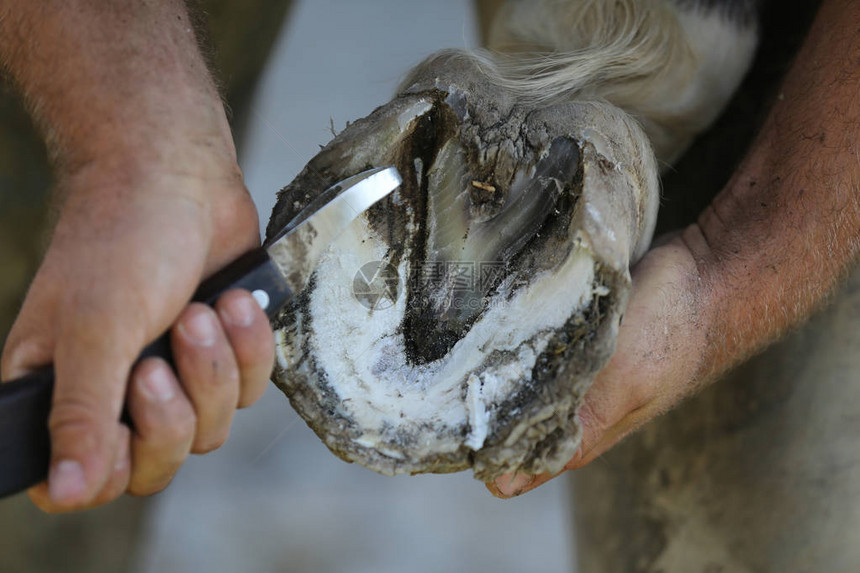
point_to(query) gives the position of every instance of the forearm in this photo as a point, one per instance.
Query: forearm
(778, 239)
(114, 81)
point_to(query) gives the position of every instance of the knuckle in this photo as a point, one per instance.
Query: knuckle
(170, 423)
(231, 375)
(212, 374)
(592, 417)
(178, 428)
(227, 376)
(21, 352)
(72, 415)
(181, 430)
(641, 392)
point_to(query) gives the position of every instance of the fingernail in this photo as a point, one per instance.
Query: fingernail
(240, 310)
(200, 328)
(66, 481)
(514, 484)
(157, 385)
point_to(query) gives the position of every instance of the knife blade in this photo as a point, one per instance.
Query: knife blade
(273, 273)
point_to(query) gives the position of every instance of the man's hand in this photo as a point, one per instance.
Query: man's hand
(127, 253)
(660, 353)
(766, 253)
(151, 202)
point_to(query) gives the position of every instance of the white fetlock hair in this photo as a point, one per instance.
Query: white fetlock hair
(671, 65)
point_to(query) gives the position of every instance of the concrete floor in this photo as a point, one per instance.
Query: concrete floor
(274, 498)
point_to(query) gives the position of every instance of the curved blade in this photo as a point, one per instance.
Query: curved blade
(297, 248)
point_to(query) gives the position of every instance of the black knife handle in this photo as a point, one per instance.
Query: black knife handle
(25, 447)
